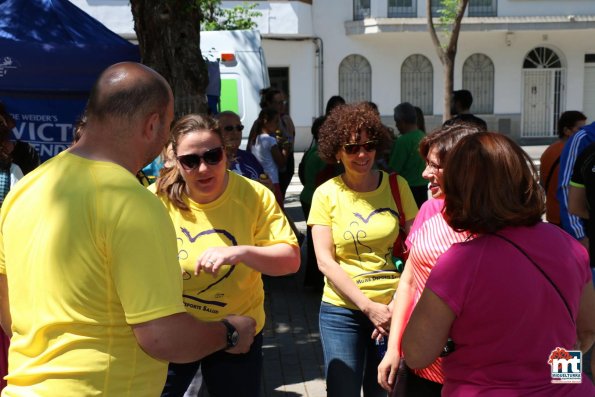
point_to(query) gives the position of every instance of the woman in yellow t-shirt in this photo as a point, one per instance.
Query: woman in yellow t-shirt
(354, 221)
(230, 230)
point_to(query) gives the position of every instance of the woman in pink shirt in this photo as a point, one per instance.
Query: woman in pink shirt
(430, 237)
(515, 296)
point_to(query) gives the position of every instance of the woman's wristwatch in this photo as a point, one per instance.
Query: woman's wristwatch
(233, 335)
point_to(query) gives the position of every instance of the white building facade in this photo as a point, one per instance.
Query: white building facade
(525, 61)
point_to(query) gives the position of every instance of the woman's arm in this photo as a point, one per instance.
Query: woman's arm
(279, 155)
(427, 330)
(273, 260)
(585, 322)
(324, 247)
(402, 307)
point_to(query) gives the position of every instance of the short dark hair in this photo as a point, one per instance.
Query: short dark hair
(568, 120)
(490, 183)
(445, 138)
(267, 96)
(406, 113)
(463, 97)
(345, 121)
(333, 102)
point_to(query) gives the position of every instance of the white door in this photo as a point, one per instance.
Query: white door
(589, 94)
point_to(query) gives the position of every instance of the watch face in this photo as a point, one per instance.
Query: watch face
(235, 336)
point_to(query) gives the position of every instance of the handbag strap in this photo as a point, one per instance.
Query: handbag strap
(541, 271)
(394, 188)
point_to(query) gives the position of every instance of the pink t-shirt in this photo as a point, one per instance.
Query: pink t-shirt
(430, 237)
(509, 318)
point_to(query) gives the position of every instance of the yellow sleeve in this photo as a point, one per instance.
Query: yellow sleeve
(320, 212)
(272, 226)
(407, 201)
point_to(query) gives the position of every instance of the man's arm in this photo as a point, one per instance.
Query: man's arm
(5, 319)
(180, 338)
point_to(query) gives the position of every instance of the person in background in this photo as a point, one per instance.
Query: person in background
(354, 220)
(572, 149)
(477, 292)
(570, 122)
(230, 230)
(313, 172)
(581, 202)
(22, 153)
(264, 146)
(93, 262)
(421, 121)
(242, 162)
(460, 111)
(404, 157)
(284, 132)
(430, 237)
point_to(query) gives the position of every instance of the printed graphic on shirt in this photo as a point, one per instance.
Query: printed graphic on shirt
(199, 294)
(565, 365)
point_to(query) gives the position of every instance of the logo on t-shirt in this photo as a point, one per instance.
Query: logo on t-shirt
(566, 365)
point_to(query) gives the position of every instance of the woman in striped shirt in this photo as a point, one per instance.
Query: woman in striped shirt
(430, 237)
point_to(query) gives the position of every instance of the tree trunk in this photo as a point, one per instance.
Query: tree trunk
(448, 70)
(168, 34)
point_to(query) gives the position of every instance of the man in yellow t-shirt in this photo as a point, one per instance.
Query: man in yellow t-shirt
(88, 259)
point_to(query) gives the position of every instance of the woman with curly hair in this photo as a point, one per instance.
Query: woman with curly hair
(515, 296)
(355, 221)
(230, 230)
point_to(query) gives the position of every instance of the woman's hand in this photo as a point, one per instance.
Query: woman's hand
(379, 315)
(387, 369)
(212, 259)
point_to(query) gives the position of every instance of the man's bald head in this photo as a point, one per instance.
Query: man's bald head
(128, 90)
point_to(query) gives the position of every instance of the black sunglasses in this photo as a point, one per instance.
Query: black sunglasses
(210, 157)
(230, 128)
(353, 148)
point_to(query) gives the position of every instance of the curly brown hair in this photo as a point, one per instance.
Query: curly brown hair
(347, 120)
(499, 186)
(170, 182)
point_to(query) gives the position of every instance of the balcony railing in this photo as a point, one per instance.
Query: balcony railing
(482, 8)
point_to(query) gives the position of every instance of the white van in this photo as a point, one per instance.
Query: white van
(243, 71)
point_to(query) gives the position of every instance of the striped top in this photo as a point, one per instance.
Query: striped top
(429, 238)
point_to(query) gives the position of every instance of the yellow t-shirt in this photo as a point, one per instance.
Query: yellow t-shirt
(87, 251)
(364, 228)
(245, 214)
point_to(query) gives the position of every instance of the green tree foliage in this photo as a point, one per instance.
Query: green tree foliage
(236, 18)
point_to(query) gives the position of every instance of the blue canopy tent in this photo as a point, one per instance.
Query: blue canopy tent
(51, 53)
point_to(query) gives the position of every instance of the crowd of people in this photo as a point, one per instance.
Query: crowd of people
(115, 287)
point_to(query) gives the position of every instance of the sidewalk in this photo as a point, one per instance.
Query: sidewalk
(293, 362)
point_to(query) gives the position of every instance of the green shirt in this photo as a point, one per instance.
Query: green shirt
(406, 160)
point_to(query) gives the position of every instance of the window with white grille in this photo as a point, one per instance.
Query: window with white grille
(402, 8)
(478, 78)
(355, 79)
(361, 9)
(417, 82)
(482, 8)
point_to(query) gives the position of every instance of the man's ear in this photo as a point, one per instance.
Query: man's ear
(152, 126)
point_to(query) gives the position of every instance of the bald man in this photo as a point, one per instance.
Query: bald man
(88, 259)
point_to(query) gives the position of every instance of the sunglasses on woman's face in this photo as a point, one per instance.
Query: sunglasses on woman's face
(210, 157)
(353, 148)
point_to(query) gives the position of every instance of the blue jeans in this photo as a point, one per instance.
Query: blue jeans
(350, 356)
(224, 374)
